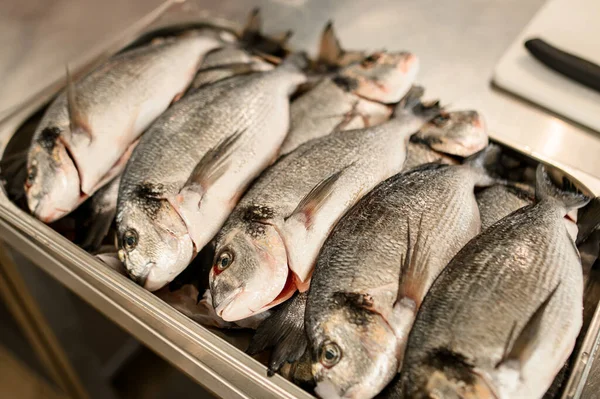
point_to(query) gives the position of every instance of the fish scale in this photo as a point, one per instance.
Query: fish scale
(108, 110)
(499, 280)
(363, 257)
(188, 212)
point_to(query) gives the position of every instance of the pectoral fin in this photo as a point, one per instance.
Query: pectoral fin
(214, 164)
(77, 119)
(315, 199)
(527, 340)
(330, 49)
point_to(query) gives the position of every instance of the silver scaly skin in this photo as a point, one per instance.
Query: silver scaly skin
(271, 240)
(503, 316)
(353, 99)
(192, 166)
(500, 200)
(87, 134)
(376, 266)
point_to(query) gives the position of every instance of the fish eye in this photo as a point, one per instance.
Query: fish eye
(225, 260)
(330, 354)
(31, 174)
(130, 239)
(441, 119)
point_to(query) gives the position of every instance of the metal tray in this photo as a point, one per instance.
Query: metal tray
(206, 357)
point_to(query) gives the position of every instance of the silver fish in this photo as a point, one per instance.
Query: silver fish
(226, 62)
(447, 134)
(353, 99)
(376, 267)
(192, 166)
(418, 154)
(500, 200)
(267, 248)
(89, 131)
(503, 316)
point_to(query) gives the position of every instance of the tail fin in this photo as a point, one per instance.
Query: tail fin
(588, 220)
(483, 162)
(412, 103)
(546, 189)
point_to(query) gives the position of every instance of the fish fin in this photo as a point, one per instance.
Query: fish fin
(254, 23)
(413, 271)
(546, 189)
(527, 340)
(77, 120)
(213, 164)
(283, 37)
(412, 103)
(588, 220)
(483, 162)
(330, 50)
(284, 332)
(316, 198)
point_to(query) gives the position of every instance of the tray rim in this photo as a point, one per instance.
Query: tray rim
(127, 304)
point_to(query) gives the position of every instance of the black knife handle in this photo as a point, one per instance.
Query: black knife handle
(583, 71)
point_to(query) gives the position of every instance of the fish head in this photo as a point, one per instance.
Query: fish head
(383, 77)
(52, 186)
(461, 133)
(354, 353)
(250, 271)
(153, 241)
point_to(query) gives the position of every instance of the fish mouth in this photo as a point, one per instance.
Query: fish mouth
(226, 303)
(142, 278)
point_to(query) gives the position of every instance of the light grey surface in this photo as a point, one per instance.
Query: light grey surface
(458, 43)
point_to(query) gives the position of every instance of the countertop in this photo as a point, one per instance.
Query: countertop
(458, 42)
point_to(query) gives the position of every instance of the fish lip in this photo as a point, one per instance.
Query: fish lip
(227, 301)
(142, 278)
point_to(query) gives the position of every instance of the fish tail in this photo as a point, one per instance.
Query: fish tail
(483, 163)
(412, 103)
(546, 189)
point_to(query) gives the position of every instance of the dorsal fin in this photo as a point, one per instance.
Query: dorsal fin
(254, 23)
(330, 50)
(77, 120)
(213, 164)
(527, 340)
(314, 200)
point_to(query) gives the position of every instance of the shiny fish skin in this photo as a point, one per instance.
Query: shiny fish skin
(360, 304)
(275, 332)
(168, 219)
(272, 247)
(226, 62)
(493, 286)
(335, 103)
(418, 154)
(499, 200)
(115, 104)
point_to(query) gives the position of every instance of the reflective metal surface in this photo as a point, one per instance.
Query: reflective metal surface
(458, 45)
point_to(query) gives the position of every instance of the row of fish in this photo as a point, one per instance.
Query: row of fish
(332, 191)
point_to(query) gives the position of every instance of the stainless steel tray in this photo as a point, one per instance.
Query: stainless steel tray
(207, 357)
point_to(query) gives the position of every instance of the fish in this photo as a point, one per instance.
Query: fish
(500, 200)
(502, 318)
(102, 210)
(192, 166)
(354, 98)
(226, 62)
(89, 131)
(377, 265)
(418, 154)
(273, 333)
(448, 134)
(267, 247)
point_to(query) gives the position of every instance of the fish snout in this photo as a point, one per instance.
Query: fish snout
(408, 63)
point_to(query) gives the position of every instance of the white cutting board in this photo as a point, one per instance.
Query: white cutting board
(570, 25)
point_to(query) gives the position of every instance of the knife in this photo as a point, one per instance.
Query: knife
(576, 68)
